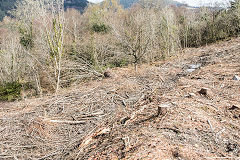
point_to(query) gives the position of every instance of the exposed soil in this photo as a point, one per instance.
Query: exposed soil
(187, 107)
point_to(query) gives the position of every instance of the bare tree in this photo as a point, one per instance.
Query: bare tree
(132, 33)
(55, 38)
(46, 18)
(55, 42)
(12, 58)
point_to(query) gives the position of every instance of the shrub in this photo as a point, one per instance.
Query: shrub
(10, 91)
(99, 28)
(26, 37)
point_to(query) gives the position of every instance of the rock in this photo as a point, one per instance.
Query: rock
(190, 95)
(233, 107)
(165, 105)
(195, 66)
(107, 74)
(203, 91)
(236, 78)
(190, 70)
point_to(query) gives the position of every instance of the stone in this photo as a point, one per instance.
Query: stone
(190, 70)
(236, 78)
(195, 66)
(191, 95)
(233, 107)
(203, 91)
(107, 74)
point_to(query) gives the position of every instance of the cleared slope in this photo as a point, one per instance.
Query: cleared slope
(157, 113)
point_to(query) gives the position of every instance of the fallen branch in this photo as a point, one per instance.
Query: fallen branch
(63, 121)
(210, 125)
(219, 157)
(67, 122)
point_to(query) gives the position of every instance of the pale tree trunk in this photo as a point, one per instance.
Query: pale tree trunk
(56, 41)
(60, 50)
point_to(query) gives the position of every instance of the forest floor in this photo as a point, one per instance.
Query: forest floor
(187, 107)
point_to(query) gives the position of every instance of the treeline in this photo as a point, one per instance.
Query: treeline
(207, 25)
(45, 48)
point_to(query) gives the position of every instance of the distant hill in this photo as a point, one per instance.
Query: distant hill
(6, 5)
(77, 4)
(129, 3)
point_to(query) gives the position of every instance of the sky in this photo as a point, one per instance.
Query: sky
(189, 2)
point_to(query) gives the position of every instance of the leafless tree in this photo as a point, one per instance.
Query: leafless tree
(132, 33)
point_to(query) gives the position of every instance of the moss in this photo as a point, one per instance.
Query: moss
(10, 91)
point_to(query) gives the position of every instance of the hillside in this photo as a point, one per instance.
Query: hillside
(129, 3)
(186, 107)
(76, 4)
(7, 5)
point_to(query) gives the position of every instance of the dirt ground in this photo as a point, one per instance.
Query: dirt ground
(187, 107)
